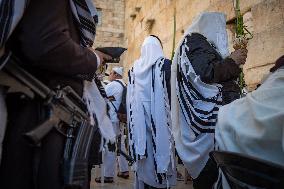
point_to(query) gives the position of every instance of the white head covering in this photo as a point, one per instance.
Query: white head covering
(151, 51)
(118, 70)
(212, 25)
(194, 136)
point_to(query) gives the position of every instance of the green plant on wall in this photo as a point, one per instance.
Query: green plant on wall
(174, 36)
(242, 36)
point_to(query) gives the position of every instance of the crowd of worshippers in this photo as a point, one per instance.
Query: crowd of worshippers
(189, 106)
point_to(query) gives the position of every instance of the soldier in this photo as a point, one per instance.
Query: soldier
(114, 90)
(53, 40)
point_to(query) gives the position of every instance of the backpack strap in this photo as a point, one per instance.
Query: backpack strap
(116, 110)
(120, 83)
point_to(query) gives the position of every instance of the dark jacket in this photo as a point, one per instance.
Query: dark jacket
(47, 41)
(212, 68)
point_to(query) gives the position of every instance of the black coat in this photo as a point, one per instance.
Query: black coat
(212, 68)
(47, 40)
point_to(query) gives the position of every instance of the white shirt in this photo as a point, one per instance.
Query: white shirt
(114, 89)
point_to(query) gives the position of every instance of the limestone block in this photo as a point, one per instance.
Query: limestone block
(224, 6)
(254, 76)
(265, 47)
(268, 14)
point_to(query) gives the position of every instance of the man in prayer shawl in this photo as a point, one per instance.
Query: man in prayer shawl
(254, 125)
(203, 78)
(114, 91)
(54, 44)
(149, 123)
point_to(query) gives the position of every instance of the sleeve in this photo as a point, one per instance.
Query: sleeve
(207, 63)
(49, 40)
(76, 59)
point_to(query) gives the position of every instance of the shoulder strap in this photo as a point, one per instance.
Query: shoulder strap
(120, 83)
(115, 109)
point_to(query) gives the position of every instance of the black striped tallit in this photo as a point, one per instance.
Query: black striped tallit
(85, 21)
(87, 27)
(199, 120)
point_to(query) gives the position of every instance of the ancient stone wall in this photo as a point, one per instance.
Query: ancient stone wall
(110, 30)
(265, 18)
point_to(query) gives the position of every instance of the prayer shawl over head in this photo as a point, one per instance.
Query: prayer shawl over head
(85, 16)
(147, 98)
(195, 104)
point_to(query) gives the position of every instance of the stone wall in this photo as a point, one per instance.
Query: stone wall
(264, 17)
(110, 30)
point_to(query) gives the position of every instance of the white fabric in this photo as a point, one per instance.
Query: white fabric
(96, 104)
(194, 151)
(254, 125)
(118, 70)
(98, 60)
(114, 89)
(146, 169)
(3, 120)
(138, 94)
(110, 161)
(212, 25)
(138, 184)
(122, 162)
(147, 100)
(92, 7)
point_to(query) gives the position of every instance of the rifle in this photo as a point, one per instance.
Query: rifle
(65, 108)
(124, 154)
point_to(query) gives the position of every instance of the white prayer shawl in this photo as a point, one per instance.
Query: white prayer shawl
(97, 108)
(147, 95)
(254, 125)
(195, 104)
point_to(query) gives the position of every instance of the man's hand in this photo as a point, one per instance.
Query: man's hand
(239, 56)
(103, 57)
